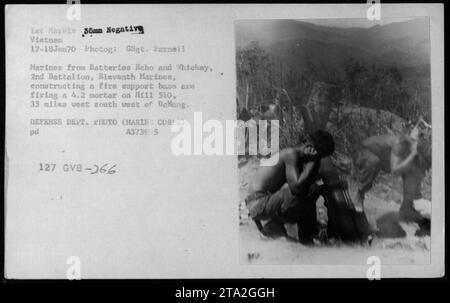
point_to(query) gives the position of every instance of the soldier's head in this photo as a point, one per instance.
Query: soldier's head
(322, 141)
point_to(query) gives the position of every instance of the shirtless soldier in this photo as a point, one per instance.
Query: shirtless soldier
(344, 221)
(286, 192)
(397, 154)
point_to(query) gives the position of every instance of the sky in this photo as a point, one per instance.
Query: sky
(357, 22)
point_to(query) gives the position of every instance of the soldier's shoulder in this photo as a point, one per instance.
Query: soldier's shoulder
(379, 139)
(288, 152)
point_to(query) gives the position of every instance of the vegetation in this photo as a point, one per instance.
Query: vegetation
(374, 98)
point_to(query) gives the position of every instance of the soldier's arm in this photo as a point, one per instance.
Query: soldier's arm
(298, 179)
(398, 166)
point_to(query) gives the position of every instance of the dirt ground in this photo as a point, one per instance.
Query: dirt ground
(383, 198)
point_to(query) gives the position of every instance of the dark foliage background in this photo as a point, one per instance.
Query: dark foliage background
(383, 73)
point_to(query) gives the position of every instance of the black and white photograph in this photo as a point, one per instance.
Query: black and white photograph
(224, 141)
(352, 176)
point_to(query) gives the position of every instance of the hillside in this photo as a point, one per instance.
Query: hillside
(383, 67)
(381, 81)
(404, 43)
